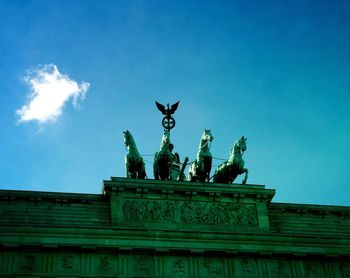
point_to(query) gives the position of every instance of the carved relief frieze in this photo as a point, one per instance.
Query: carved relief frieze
(217, 213)
(213, 267)
(344, 270)
(141, 211)
(247, 268)
(15, 264)
(105, 265)
(66, 263)
(313, 270)
(280, 269)
(29, 263)
(143, 266)
(178, 268)
(203, 213)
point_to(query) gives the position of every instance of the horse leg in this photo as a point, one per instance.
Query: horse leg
(141, 173)
(190, 173)
(155, 168)
(217, 178)
(132, 168)
(221, 174)
(155, 171)
(207, 178)
(127, 174)
(245, 170)
(208, 169)
(189, 176)
(200, 169)
(127, 165)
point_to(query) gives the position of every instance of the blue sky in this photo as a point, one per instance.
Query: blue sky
(276, 72)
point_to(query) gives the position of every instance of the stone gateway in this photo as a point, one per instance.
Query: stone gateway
(155, 228)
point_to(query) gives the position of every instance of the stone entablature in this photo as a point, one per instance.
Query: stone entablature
(148, 228)
(29, 208)
(313, 220)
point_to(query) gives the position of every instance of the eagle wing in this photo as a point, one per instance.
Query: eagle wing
(161, 107)
(174, 107)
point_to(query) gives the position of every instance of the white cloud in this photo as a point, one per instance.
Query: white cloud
(49, 91)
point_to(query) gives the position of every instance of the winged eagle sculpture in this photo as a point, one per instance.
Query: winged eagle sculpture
(168, 121)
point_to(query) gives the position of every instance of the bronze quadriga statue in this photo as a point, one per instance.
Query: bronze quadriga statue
(134, 165)
(228, 171)
(200, 168)
(167, 166)
(162, 158)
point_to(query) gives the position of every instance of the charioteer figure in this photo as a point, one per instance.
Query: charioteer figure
(167, 165)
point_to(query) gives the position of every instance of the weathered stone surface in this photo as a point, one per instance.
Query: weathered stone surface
(186, 212)
(93, 264)
(147, 228)
(187, 205)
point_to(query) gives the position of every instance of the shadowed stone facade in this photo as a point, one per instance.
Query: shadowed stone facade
(148, 228)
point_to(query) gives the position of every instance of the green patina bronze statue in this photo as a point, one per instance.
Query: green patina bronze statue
(166, 165)
(228, 171)
(163, 158)
(168, 121)
(176, 170)
(200, 168)
(134, 165)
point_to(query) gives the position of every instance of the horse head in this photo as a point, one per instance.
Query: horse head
(237, 149)
(128, 139)
(242, 143)
(204, 142)
(207, 136)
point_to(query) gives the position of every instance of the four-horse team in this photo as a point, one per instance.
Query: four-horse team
(167, 166)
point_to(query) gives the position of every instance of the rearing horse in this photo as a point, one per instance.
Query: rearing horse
(163, 158)
(134, 165)
(228, 171)
(200, 168)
